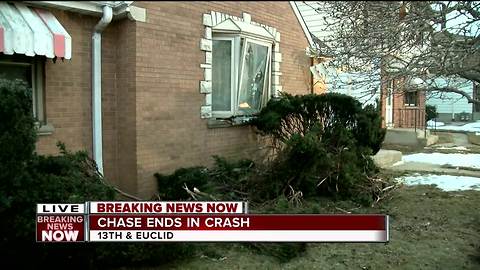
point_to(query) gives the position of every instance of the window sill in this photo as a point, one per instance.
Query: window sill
(229, 122)
(44, 129)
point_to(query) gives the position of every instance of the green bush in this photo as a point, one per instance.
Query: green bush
(430, 112)
(27, 179)
(68, 178)
(326, 142)
(368, 130)
(329, 115)
(17, 135)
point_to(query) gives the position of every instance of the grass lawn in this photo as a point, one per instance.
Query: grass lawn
(430, 229)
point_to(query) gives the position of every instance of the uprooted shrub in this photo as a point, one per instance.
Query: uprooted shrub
(324, 145)
(226, 180)
(173, 186)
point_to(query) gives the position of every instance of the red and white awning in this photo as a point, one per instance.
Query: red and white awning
(32, 31)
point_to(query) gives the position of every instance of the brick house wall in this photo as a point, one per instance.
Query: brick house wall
(170, 133)
(68, 96)
(150, 90)
(403, 116)
(68, 89)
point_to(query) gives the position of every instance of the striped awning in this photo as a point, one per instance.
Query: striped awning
(32, 31)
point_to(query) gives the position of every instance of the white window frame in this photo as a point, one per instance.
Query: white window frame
(37, 69)
(235, 42)
(238, 52)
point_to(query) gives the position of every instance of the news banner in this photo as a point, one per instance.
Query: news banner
(206, 221)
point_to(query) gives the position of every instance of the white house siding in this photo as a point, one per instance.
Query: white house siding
(451, 104)
(312, 18)
(363, 93)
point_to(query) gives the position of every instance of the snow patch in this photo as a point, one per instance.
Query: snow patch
(463, 160)
(431, 123)
(444, 182)
(470, 127)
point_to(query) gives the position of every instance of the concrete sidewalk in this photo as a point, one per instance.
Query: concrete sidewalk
(409, 137)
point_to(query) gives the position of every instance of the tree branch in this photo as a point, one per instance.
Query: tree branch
(454, 90)
(449, 51)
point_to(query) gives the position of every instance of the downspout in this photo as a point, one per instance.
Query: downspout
(97, 86)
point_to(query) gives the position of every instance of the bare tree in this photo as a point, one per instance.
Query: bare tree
(432, 45)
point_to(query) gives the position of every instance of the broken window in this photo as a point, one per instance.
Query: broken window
(253, 77)
(240, 75)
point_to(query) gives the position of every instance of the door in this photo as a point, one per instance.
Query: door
(389, 105)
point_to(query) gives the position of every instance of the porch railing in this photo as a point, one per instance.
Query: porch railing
(409, 118)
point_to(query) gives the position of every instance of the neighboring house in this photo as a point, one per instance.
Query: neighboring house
(452, 107)
(400, 109)
(151, 87)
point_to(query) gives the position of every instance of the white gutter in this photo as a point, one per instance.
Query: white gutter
(97, 86)
(121, 9)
